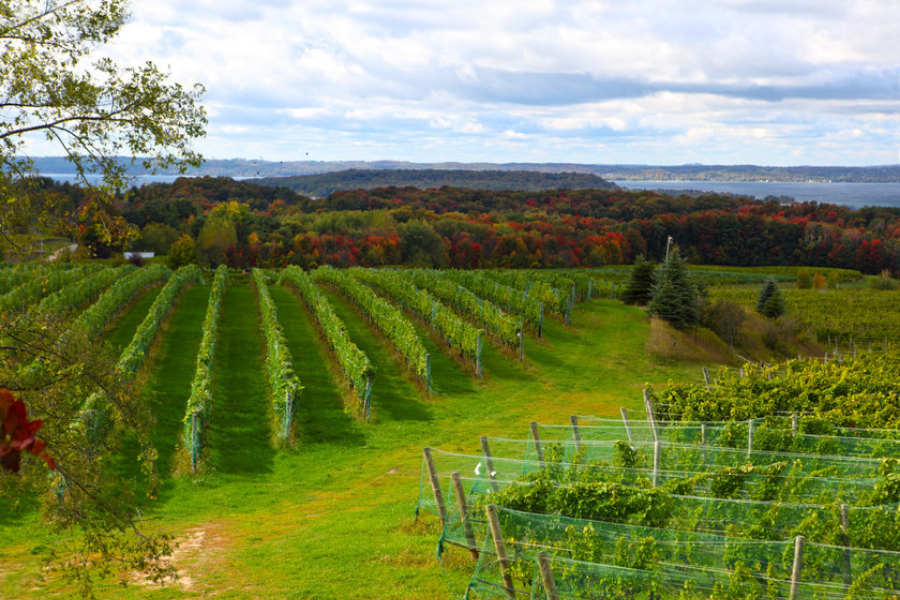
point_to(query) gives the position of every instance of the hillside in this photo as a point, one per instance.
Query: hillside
(243, 168)
(326, 184)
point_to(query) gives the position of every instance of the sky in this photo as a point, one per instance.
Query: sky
(770, 82)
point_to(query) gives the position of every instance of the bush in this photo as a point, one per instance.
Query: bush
(804, 279)
(725, 318)
(882, 282)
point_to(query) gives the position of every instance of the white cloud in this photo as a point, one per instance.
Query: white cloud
(504, 81)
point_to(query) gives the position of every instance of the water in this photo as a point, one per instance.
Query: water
(855, 195)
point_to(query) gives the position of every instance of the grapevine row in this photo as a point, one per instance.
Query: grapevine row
(556, 292)
(515, 301)
(386, 317)
(200, 402)
(505, 326)
(101, 312)
(456, 331)
(46, 282)
(355, 364)
(283, 380)
(85, 290)
(135, 352)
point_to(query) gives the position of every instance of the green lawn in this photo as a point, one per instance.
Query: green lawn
(333, 517)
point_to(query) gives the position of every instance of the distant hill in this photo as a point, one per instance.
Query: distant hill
(521, 181)
(241, 168)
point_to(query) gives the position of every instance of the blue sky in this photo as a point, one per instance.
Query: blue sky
(775, 82)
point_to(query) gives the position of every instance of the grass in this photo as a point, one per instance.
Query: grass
(333, 517)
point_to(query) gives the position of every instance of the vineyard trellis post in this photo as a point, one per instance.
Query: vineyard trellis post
(576, 432)
(845, 540)
(651, 414)
(537, 443)
(703, 440)
(749, 437)
(797, 568)
(706, 377)
(656, 460)
(489, 463)
(500, 549)
(543, 560)
(478, 356)
(464, 513)
(624, 412)
(435, 484)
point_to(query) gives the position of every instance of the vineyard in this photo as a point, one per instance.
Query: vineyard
(291, 407)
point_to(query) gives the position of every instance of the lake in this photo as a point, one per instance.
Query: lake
(855, 195)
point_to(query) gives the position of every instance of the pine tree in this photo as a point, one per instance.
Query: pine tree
(770, 303)
(640, 286)
(674, 293)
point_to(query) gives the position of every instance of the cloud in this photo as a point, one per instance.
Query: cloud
(494, 80)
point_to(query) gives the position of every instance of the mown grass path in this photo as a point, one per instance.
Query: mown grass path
(333, 518)
(238, 437)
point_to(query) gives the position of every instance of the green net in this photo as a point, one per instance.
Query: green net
(593, 559)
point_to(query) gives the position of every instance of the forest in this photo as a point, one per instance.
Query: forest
(243, 224)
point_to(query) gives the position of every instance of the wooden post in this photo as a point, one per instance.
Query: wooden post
(742, 372)
(194, 437)
(656, 459)
(537, 444)
(624, 412)
(703, 440)
(651, 415)
(547, 576)
(435, 484)
(845, 538)
(798, 566)
(522, 341)
(464, 514)
(489, 462)
(794, 424)
(500, 548)
(749, 437)
(478, 356)
(576, 432)
(706, 376)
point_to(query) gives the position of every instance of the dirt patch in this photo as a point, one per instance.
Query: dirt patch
(193, 552)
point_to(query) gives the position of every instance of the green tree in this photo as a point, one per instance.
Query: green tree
(675, 293)
(640, 286)
(53, 86)
(770, 303)
(157, 238)
(216, 237)
(182, 252)
(804, 279)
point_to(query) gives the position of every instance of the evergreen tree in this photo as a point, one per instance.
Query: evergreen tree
(674, 293)
(770, 303)
(640, 286)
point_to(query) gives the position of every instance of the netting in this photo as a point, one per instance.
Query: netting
(770, 433)
(592, 559)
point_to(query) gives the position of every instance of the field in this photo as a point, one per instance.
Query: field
(331, 512)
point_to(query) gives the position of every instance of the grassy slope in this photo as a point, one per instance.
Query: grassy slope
(334, 517)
